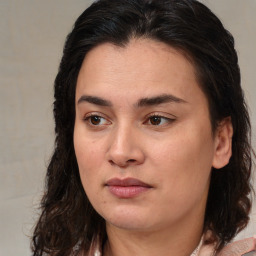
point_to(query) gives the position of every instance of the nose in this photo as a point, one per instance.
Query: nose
(125, 148)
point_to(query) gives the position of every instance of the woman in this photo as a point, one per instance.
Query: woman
(153, 153)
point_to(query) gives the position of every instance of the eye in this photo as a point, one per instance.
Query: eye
(96, 120)
(158, 120)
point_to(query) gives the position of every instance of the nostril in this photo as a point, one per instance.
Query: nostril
(111, 162)
(123, 164)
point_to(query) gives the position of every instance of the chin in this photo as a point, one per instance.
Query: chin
(129, 224)
(129, 219)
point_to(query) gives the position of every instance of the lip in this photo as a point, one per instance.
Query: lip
(127, 188)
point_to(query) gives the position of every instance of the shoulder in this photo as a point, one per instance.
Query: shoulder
(245, 247)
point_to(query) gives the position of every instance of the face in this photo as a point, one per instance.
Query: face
(143, 137)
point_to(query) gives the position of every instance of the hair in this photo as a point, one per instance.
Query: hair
(67, 218)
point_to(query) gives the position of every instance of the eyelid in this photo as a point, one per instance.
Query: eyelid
(161, 114)
(94, 114)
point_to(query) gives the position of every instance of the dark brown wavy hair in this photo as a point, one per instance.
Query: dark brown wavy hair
(67, 219)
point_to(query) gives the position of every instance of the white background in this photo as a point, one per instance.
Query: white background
(32, 34)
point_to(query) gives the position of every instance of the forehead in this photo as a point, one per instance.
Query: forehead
(143, 66)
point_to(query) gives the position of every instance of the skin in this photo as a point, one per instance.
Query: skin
(116, 137)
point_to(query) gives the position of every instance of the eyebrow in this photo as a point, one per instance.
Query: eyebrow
(95, 100)
(160, 99)
(148, 101)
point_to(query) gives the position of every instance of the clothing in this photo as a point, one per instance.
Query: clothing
(245, 247)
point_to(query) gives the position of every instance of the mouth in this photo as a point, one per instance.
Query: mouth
(127, 188)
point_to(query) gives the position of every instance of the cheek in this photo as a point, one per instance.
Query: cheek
(185, 159)
(89, 157)
(89, 163)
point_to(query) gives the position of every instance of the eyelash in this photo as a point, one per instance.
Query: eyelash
(168, 120)
(88, 119)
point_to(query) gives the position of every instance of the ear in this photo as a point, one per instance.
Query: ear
(223, 143)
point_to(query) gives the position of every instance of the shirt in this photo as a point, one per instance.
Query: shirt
(245, 247)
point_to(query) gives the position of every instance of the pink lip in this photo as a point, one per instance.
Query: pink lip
(127, 188)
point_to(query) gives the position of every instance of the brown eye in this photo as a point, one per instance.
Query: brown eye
(155, 120)
(95, 120)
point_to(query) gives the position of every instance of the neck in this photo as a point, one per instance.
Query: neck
(166, 241)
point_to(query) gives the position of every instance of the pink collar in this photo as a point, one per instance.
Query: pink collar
(239, 248)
